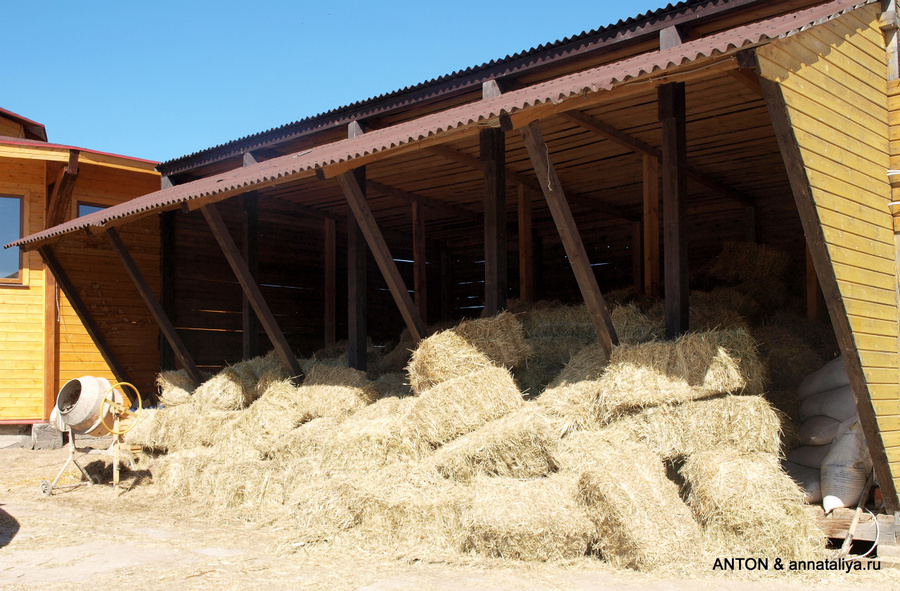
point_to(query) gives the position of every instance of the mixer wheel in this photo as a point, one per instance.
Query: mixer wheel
(46, 488)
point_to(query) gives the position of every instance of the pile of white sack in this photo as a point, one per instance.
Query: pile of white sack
(832, 462)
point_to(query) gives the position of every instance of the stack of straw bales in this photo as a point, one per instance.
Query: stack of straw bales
(451, 458)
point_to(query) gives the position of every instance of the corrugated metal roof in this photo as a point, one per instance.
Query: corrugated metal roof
(461, 79)
(303, 164)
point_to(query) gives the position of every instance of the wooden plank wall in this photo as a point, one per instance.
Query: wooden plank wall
(78, 356)
(11, 128)
(833, 79)
(21, 307)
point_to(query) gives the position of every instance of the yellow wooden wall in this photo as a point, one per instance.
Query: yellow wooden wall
(22, 333)
(833, 78)
(103, 186)
(21, 307)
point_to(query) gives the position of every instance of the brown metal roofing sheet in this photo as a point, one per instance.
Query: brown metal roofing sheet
(303, 164)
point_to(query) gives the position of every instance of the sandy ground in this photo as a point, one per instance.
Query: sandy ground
(86, 538)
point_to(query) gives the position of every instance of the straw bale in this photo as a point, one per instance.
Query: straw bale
(238, 385)
(748, 261)
(405, 512)
(307, 440)
(179, 472)
(461, 405)
(787, 402)
(441, 357)
(709, 312)
(374, 437)
(696, 365)
(633, 326)
(175, 387)
(398, 357)
(787, 356)
(818, 335)
(519, 445)
(332, 391)
(550, 355)
(500, 338)
(770, 293)
(527, 519)
(246, 488)
(570, 399)
(741, 423)
(320, 507)
(749, 506)
(393, 385)
(559, 321)
(179, 427)
(641, 521)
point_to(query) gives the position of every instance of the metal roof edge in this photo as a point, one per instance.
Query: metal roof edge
(602, 78)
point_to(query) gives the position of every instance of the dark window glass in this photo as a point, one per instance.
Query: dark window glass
(10, 231)
(86, 208)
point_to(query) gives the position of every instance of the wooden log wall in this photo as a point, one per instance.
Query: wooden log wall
(828, 98)
(21, 307)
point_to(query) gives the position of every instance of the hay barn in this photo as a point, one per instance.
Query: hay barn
(652, 157)
(42, 185)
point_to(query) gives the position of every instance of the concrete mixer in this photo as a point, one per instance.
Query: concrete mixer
(92, 406)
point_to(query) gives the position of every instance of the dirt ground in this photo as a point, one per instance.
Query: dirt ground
(86, 538)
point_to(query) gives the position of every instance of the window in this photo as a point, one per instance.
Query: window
(11, 215)
(86, 208)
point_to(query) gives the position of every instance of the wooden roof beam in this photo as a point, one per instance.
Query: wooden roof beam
(625, 140)
(521, 179)
(435, 204)
(60, 201)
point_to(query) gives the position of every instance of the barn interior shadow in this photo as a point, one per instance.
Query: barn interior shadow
(9, 527)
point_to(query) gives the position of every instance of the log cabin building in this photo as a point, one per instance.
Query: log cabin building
(623, 156)
(42, 185)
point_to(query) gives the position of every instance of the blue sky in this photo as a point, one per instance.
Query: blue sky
(163, 79)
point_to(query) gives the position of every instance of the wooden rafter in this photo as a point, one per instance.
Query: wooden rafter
(249, 286)
(632, 143)
(369, 227)
(156, 309)
(521, 179)
(568, 233)
(60, 202)
(434, 204)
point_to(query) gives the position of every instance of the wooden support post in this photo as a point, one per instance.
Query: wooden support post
(356, 198)
(446, 284)
(357, 294)
(357, 274)
(71, 293)
(420, 278)
(250, 243)
(526, 246)
(493, 159)
(156, 310)
(51, 343)
(568, 233)
(651, 226)
(637, 257)
(751, 222)
(330, 282)
(815, 240)
(245, 278)
(815, 301)
(674, 189)
(167, 276)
